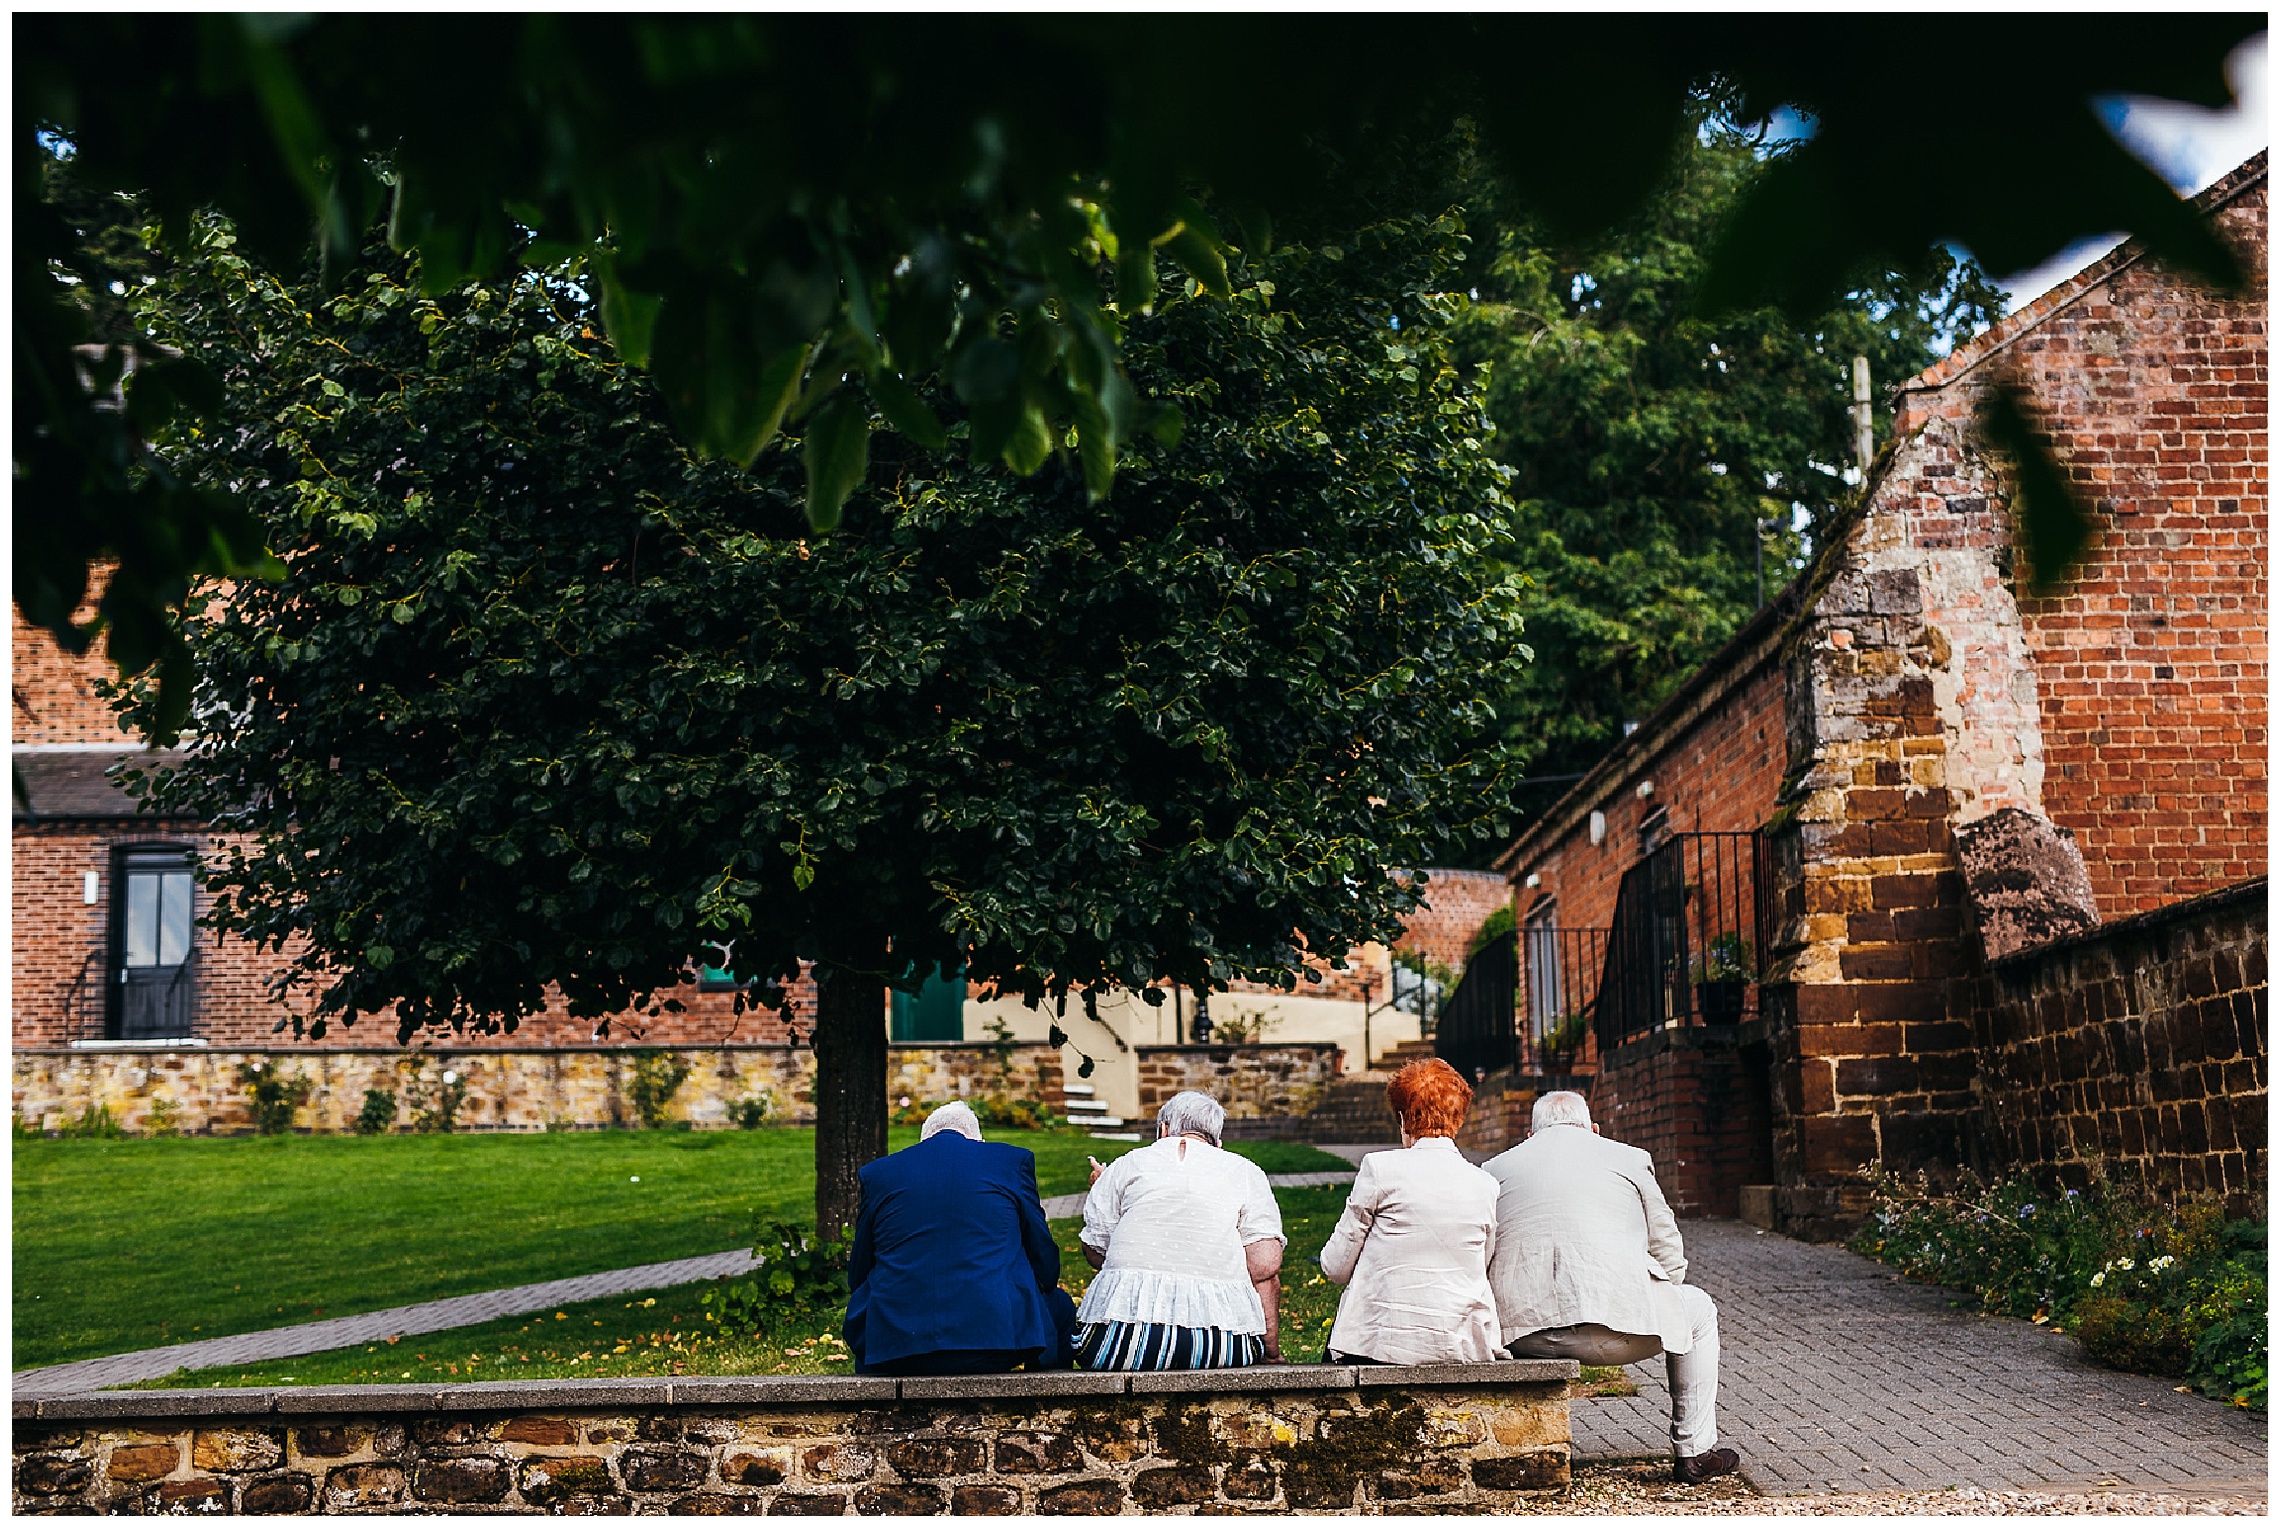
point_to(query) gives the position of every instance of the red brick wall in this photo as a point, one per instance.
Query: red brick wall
(55, 932)
(1695, 1100)
(1719, 775)
(2151, 667)
(54, 693)
(1457, 903)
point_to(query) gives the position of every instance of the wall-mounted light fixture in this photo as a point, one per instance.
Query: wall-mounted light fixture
(1598, 829)
(91, 889)
(1644, 789)
(1534, 880)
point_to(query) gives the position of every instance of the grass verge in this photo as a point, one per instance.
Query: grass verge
(128, 1244)
(665, 1332)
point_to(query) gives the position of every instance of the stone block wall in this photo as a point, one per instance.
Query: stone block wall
(1696, 1101)
(1251, 1081)
(2142, 1047)
(1313, 1439)
(197, 1092)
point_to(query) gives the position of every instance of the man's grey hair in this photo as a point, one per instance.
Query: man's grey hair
(1560, 1108)
(951, 1116)
(1193, 1114)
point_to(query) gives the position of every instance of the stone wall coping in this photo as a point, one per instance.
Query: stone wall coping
(2251, 893)
(1689, 1037)
(445, 1052)
(1248, 1045)
(765, 1390)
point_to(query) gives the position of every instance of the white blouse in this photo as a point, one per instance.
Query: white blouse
(1173, 1219)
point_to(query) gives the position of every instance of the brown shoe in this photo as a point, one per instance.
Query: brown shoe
(1694, 1471)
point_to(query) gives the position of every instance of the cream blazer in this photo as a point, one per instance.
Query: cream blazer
(1583, 1234)
(1412, 1250)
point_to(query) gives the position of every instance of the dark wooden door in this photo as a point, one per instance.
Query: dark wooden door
(151, 984)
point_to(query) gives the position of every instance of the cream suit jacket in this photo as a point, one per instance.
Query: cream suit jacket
(1412, 1250)
(1583, 1234)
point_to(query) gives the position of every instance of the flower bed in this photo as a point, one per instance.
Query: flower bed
(2153, 1288)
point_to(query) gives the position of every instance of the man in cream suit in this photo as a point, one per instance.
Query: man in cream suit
(1588, 1265)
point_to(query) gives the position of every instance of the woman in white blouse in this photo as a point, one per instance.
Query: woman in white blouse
(1413, 1246)
(1189, 1245)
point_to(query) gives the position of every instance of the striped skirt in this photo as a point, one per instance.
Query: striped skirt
(1152, 1345)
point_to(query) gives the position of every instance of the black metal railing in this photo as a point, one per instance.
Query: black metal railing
(1476, 1033)
(1685, 941)
(1560, 971)
(1415, 992)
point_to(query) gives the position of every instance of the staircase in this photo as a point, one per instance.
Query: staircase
(1089, 1114)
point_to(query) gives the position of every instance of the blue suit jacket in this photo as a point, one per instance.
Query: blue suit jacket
(951, 1252)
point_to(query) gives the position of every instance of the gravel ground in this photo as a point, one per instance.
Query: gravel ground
(1645, 1489)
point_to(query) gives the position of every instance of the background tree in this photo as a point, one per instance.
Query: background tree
(543, 698)
(772, 205)
(1650, 446)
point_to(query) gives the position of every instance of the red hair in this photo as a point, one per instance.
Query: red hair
(1431, 1098)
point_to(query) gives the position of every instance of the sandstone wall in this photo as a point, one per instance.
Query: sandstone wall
(2142, 1047)
(1251, 1081)
(197, 1092)
(1314, 1440)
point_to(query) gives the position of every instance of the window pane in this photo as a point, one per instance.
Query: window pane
(142, 920)
(174, 918)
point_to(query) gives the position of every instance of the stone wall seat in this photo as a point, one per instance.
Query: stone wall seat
(1288, 1437)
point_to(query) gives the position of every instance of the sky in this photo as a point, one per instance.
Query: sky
(2190, 146)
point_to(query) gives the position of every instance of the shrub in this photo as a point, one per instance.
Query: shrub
(435, 1106)
(1500, 924)
(165, 1117)
(799, 1275)
(2175, 1290)
(378, 1113)
(752, 1113)
(274, 1097)
(95, 1123)
(657, 1076)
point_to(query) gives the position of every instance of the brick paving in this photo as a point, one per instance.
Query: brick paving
(1836, 1377)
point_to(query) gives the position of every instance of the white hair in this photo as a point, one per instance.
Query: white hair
(1560, 1108)
(951, 1116)
(1192, 1114)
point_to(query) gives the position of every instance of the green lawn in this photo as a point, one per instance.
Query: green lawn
(666, 1333)
(126, 1244)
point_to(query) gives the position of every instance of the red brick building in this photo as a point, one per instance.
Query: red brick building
(1857, 893)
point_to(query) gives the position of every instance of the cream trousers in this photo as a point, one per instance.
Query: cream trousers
(1693, 1375)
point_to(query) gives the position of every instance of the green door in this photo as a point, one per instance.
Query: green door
(937, 1011)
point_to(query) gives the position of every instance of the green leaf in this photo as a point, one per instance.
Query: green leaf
(1031, 443)
(1196, 251)
(2054, 529)
(803, 876)
(905, 410)
(1136, 277)
(837, 453)
(1096, 447)
(630, 319)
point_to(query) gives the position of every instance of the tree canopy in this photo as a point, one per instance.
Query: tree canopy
(543, 697)
(802, 222)
(1651, 446)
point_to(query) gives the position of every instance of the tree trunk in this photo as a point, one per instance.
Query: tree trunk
(850, 1089)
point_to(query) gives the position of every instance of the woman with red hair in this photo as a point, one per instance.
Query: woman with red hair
(1412, 1248)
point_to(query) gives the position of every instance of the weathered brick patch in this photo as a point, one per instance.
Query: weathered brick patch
(1282, 1439)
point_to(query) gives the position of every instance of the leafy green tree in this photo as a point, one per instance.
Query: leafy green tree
(544, 699)
(799, 221)
(1654, 452)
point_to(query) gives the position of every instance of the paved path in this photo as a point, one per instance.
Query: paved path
(441, 1315)
(377, 1326)
(1837, 1377)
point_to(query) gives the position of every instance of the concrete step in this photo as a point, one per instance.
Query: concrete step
(1076, 1090)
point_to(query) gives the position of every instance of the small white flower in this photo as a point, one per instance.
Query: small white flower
(2097, 1279)
(2123, 1263)
(636, 1178)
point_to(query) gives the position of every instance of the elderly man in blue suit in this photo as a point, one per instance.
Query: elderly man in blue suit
(953, 1270)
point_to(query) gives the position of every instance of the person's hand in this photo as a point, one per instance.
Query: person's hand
(1098, 1167)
